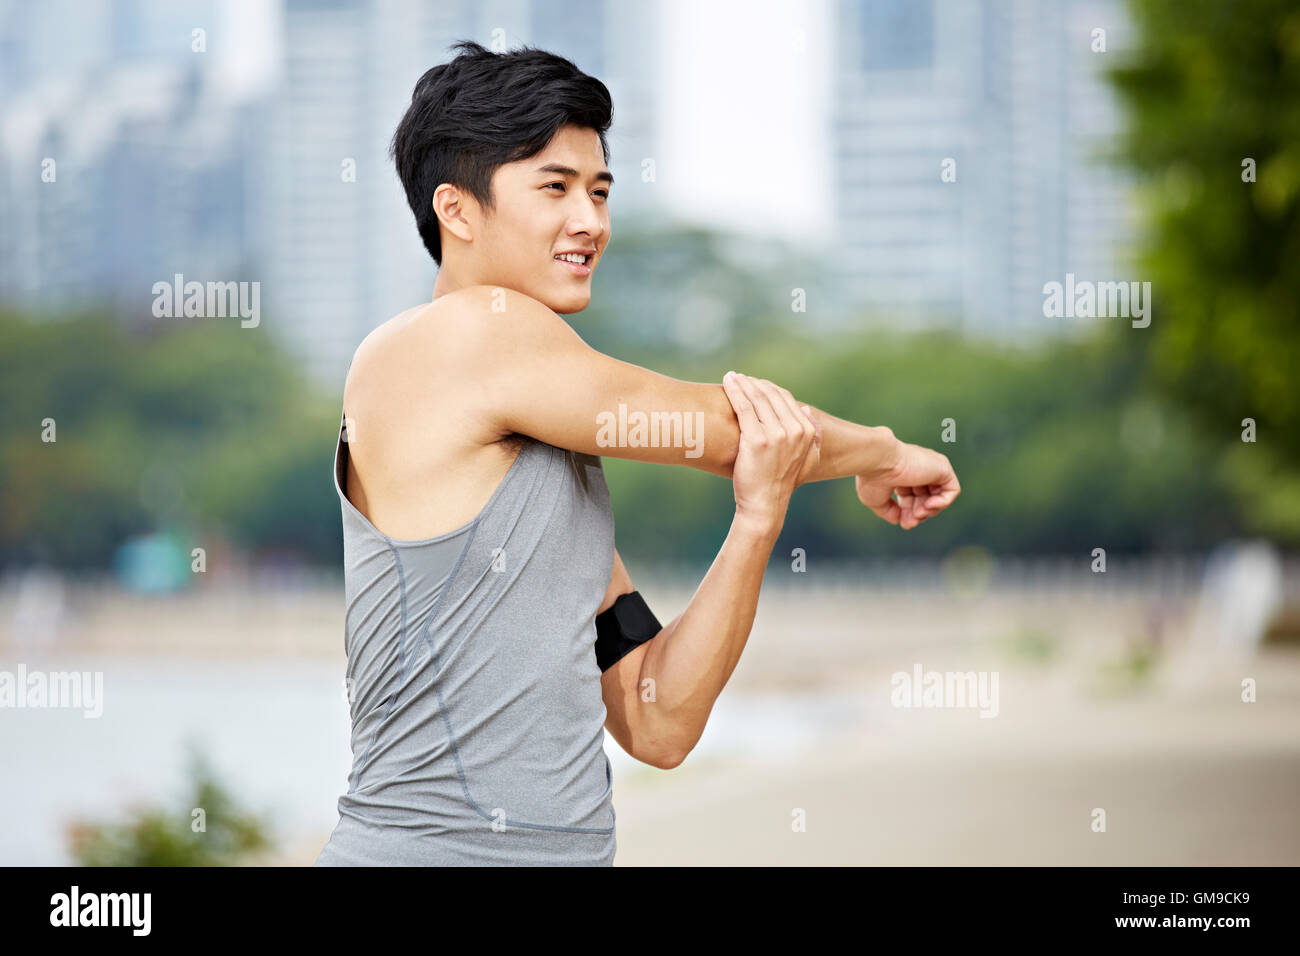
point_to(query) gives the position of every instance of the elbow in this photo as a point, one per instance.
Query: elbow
(663, 738)
(666, 760)
(664, 754)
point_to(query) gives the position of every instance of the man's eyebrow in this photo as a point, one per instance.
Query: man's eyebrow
(604, 175)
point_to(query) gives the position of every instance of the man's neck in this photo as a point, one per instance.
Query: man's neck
(447, 281)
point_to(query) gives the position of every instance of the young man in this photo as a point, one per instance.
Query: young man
(492, 630)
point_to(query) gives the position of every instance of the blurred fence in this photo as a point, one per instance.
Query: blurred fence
(300, 609)
(1032, 578)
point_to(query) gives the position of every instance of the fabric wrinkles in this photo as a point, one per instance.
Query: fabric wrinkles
(475, 696)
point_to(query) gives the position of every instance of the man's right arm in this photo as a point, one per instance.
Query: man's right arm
(534, 375)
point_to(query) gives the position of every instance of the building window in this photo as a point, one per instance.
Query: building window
(897, 34)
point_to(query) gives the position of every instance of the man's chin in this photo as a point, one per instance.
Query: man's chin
(567, 305)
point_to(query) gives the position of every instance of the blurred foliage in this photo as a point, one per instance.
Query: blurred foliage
(675, 290)
(203, 426)
(1030, 645)
(166, 837)
(1131, 669)
(1060, 448)
(1125, 438)
(1210, 85)
(1128, 438)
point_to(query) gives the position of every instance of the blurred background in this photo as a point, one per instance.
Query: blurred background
(865, 201)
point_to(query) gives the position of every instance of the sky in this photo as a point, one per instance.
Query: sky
(744, 117)
(249, 65)
(746, 113)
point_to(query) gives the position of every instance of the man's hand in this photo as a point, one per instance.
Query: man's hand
(778, 438)
(922, 479)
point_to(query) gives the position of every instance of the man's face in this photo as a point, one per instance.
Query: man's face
(542, 212)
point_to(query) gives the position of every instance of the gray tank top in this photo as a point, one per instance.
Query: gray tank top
(475, 696)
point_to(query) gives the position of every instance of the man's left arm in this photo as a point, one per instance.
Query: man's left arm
(659, 695)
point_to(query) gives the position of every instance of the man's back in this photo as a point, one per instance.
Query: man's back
(478, 722)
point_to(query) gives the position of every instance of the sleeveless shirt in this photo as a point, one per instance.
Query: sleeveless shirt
(474, 692)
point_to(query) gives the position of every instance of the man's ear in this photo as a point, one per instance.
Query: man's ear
(447, 207)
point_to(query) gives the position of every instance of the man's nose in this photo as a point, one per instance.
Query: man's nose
(587, 219)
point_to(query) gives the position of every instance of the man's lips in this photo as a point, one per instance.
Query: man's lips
(575, 268)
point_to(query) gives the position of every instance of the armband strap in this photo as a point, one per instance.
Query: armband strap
(623, 626)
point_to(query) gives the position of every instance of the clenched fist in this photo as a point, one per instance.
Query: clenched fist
(922, 480)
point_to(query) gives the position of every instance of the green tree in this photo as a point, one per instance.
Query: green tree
(197, 426)
(1212, 93)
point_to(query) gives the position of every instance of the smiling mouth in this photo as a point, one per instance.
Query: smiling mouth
(580, 268)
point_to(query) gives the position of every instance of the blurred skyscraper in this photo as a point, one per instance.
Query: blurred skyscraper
(124, 161)
(1007, 95)
(157, 168)
(164, 165)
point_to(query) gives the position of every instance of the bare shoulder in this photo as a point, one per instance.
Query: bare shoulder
(408, 374)
(374, 359)
(496, 317)
(423, 456)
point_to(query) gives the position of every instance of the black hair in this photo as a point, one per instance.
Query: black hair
(481, 110)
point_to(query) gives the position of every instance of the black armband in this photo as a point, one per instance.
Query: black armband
(623, 626)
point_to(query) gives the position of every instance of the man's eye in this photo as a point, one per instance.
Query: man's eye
(603, 193)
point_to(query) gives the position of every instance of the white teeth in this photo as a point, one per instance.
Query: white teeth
(573, 257)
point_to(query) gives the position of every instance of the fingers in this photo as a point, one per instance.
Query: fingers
(889, 511)
(768, 419)
(791, 429)
(913, 505)
(812, 444)
(817, 426)
(746, 414)
(920, 502)
(940, 495)
(920, 495)
(938, 498)
(792, 419)
(927, 501)
(907, 508)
